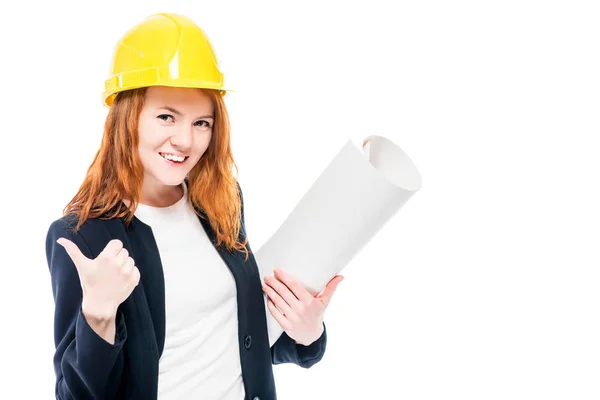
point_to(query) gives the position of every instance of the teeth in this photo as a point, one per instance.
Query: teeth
(173, 158)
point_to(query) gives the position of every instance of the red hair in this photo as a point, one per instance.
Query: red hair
(117, 173)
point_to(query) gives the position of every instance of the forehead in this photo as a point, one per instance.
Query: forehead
(191, 99)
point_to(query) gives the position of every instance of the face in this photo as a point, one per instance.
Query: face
(175, 128)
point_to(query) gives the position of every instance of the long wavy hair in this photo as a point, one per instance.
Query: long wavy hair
(117, 173)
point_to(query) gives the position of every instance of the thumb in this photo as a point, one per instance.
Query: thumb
(73, 251)
(330, 289)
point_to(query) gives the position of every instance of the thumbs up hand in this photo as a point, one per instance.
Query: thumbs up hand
(107, 280)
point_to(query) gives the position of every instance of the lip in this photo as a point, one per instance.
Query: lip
(174, 163)
(173, 154)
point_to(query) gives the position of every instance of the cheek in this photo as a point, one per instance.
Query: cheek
(150, 139)
(146, 156)
(207, 140)
(145, 148)
(143, 136)
(148, 148)
(201, 144)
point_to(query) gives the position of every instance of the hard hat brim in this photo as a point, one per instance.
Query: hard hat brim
(109, 95)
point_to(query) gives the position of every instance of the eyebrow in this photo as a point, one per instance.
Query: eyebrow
(174, 111)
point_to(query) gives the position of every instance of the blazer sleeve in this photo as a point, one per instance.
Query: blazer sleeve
(86, 365)
(285, 349)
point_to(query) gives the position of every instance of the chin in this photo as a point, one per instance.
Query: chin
(170, 179)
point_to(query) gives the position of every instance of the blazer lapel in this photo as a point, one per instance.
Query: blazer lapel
(144, 315)
(147, 259)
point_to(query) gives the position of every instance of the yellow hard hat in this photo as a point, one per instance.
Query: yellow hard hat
(163, 50)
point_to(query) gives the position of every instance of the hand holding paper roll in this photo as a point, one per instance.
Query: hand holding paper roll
(296, 310)
(345, 207)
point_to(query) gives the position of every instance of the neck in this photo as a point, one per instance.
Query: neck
(158, 195)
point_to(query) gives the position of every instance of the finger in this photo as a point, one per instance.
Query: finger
(73, 251)
(132, 276)
(121, 257)
(128, 266)
(276, 298)
(279, 317)
(112, 248)
(135, 275)
(283, 291)
(292, 283)
(330, 289)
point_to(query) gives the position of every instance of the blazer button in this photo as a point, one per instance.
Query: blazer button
(256, 398)
(248, 342)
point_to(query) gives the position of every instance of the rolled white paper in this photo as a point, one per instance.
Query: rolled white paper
(345, 207)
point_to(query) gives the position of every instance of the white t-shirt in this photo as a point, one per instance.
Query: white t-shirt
(201, 357)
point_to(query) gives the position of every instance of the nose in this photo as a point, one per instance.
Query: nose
(182, 138)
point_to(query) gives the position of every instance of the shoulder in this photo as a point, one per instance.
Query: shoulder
(69, 223)
(92, 231)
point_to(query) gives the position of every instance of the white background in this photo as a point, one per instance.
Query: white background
(484, 286)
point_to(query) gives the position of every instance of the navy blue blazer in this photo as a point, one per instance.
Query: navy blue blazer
(88, 367)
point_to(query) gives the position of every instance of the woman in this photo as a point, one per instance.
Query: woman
(157, 293)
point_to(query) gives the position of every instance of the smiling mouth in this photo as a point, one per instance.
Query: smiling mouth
(173, 158)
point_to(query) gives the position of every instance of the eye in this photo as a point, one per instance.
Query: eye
(164, 116)
(199, 123)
